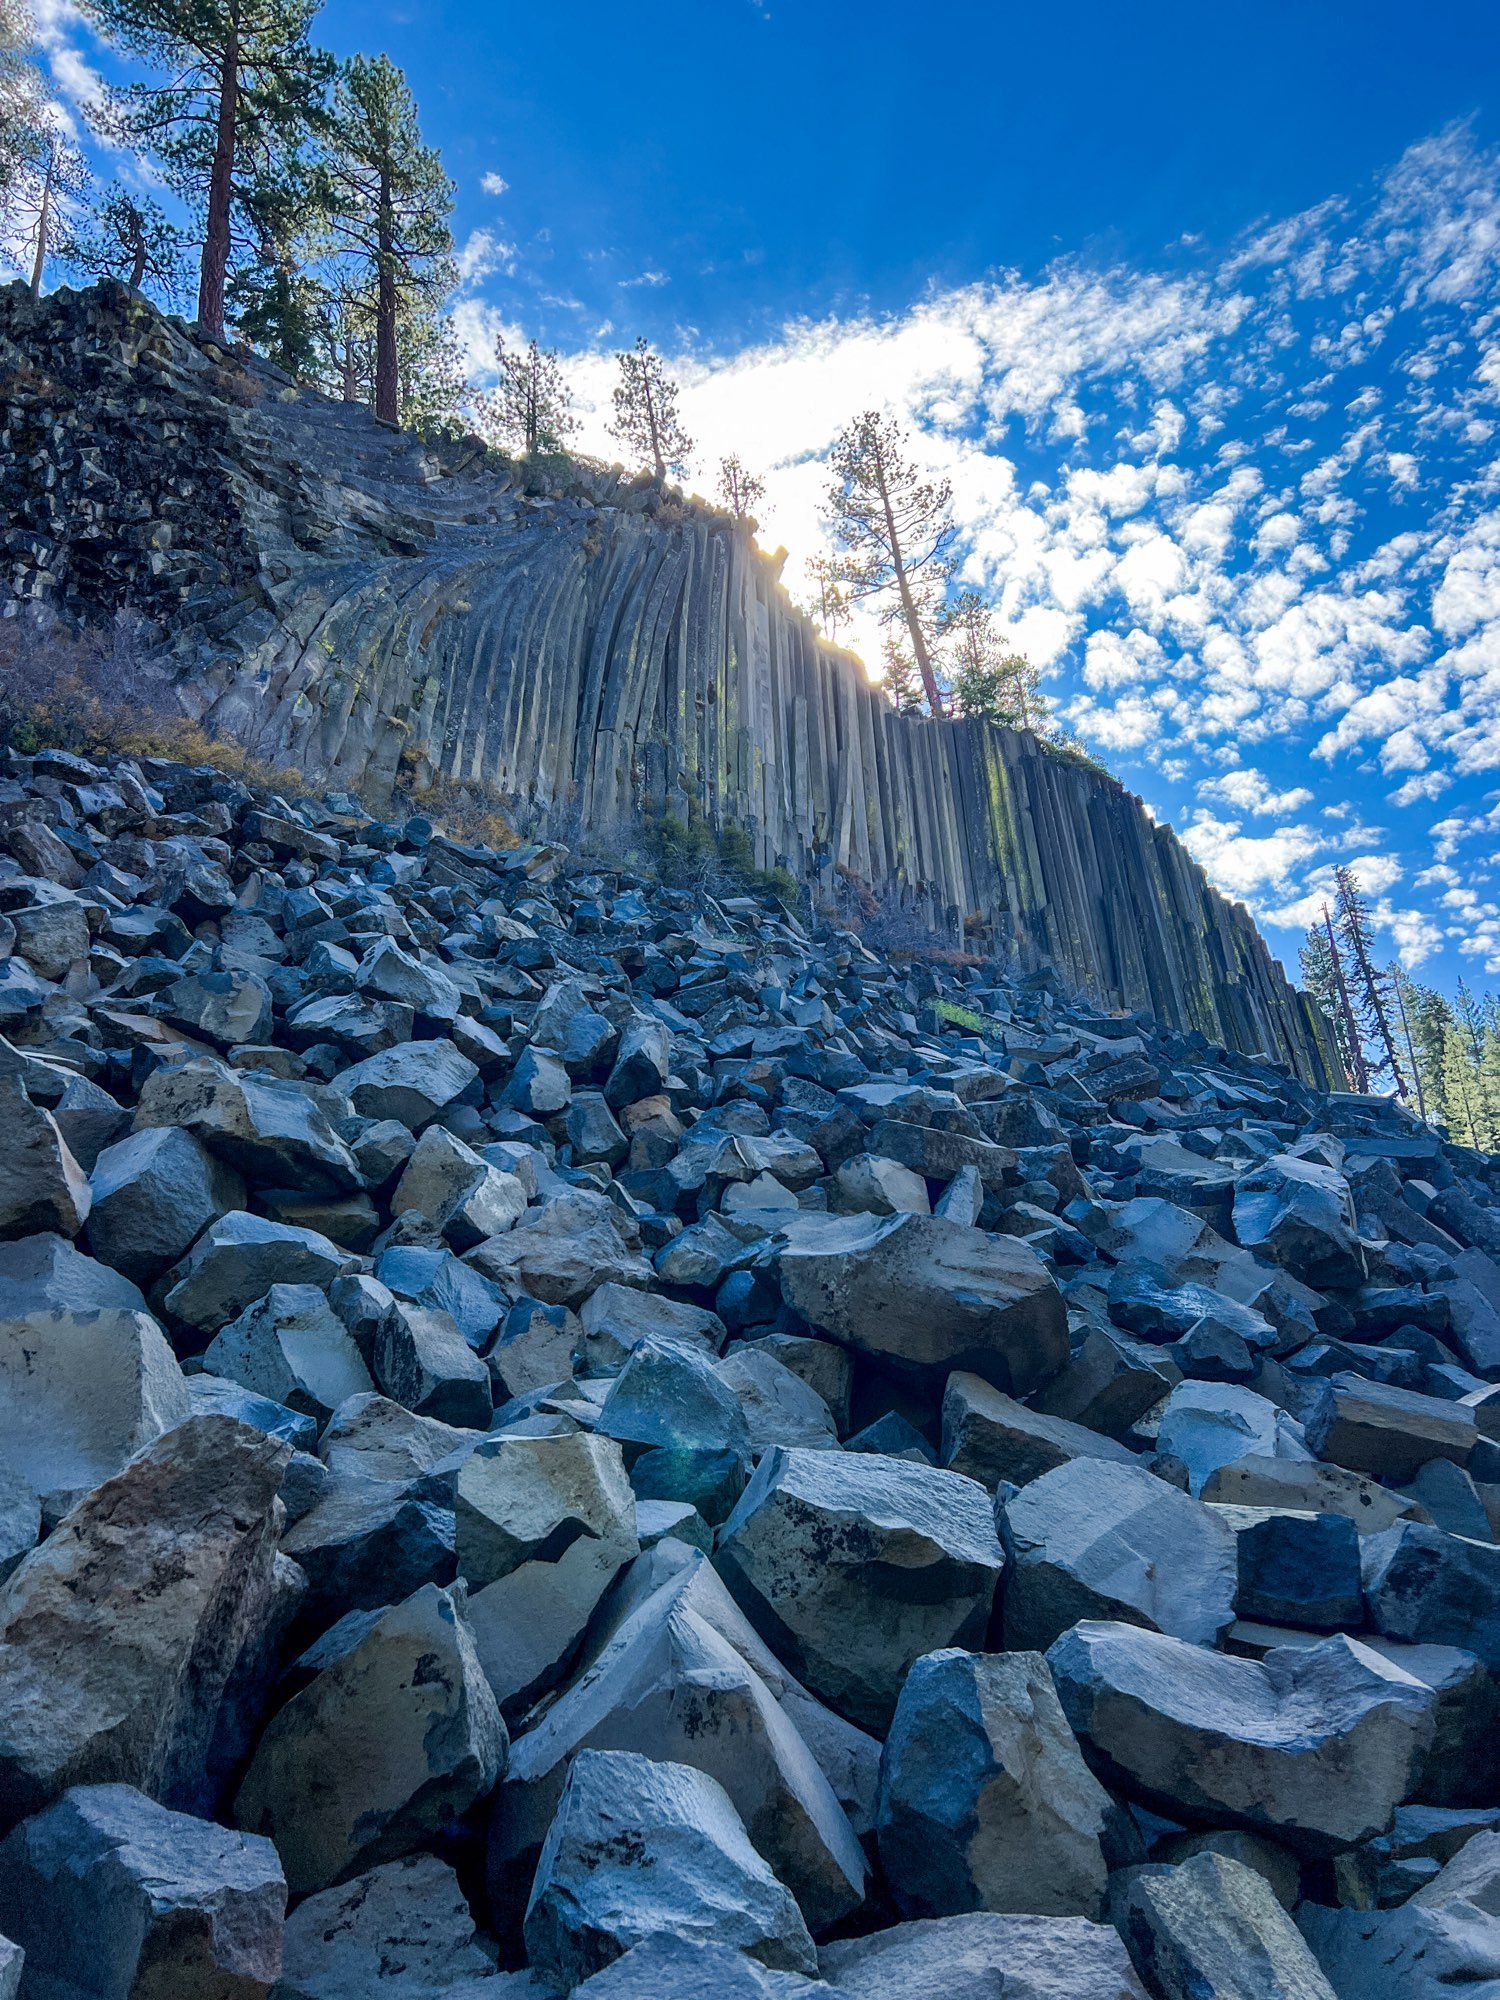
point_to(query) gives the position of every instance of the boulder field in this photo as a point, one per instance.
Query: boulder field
(562, 1436)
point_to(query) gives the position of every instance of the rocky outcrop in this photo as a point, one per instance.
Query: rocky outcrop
(355, 601)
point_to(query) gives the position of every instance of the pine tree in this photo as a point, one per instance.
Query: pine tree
(1403, 996)
(740, 490)
(1358, 1068)
(833, 599)
(989, 680)
(277, 295)
(901, 683)
(1320, 975)
(1469, 1021)
(530, 408)
(24, 121)
(388, 201)
(1371, 987)
(127, 236)
(244, 87)
(1461, 1100)
(895, 533)
(646, 421)
(48, 195)
(1431, 1024)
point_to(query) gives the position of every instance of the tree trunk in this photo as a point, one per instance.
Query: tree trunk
(661, 470)
(214, 268)
(43, 224)
(137, 250)
(1411, 1053)
(387, 367)
(908, 603)
(1351, 1026)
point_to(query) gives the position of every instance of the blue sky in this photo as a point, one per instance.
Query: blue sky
(1199, 309)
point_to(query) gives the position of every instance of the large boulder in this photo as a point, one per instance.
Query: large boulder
(1301, 1213)
(1212, 1926)
(985, 1800)
(113, 1896)
(1099, 1540)
(565, 1249)
(668, 1968)
(292, 1347)
(1208, 1425)
(641, 1849)
(42, 1186)
(668, 1393)
(397, 1735)
(990, 1437)
(929, 1295)
(154, 1193)
(1423, 1585)
(851, 1566)
(544, 1525)
(402, 1931)
(413, 1083)
(983, 1956)
(81, 1391)
(118, 1636)
(669, 1685)
(237, 1260)
(265, 1128)
(1314, 1746)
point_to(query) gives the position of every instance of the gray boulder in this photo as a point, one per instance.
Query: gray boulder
(929, 1295)
(985, 1800)
(118, 1636)
(291, 1347)
(666, 1683)
(668, 1968)
(641, 1849)
(617, 1318)
(1313, 1746)
(1422, 1585)
(420, 1358)
(42, 1186)
(413, 1083)
(983, 1956)
(1208, 1425)
(81, 1391)
(266, 1129)
(111, 1895)
(1301, 1214)
(402, 1931)
(1390, 1433)
(565, 1249)
(237, 1260)
(460, 1193)
(1097, 1540)
(397, 1735)
(544, 1525)
(153, 1195)
(990, 1437)
(779, 1407)
(851, 1566)
(1213, 1926)
(1416, 1952)
(670, 1394)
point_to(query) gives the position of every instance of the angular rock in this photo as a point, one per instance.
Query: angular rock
(421, 1359)
(267, 1130)
(153, 1195)
(291, 1347)
(1313, 1747)
(990, 1437)
(851, 1566)
(642, 1849)
(779, 1407)
(1212, 1926)
(42, 1186)
(616, 1318)
(1423, 1585)
(665, 1966)
(397, 1735)
(561, 1252)
(1301, 1214)
(984, 1957)
(985, 1800)
(1390, 1433)
(668, 1394)
(929, 1295)
(118, 1636)
(401, 1931)
(413, 1083)
(111, 1895)
(81, 1392)
(544, 1525)
(237, 1260)
(1208, 1425)
(1092, 1540)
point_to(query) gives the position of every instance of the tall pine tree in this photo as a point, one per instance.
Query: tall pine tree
(243, 87)
(895, 534)
(1322, 978)
(1370, 986)
(990, 679)
(388, 201)
(646, 420)
(740, 489)
(529, 409)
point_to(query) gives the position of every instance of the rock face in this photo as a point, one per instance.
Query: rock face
(473, 1395)
(573, 623)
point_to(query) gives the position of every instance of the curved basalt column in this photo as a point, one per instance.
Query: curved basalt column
(592, 653)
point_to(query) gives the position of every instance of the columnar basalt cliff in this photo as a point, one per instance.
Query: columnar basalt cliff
(356, 601)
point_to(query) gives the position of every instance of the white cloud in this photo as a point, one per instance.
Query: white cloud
(494, 183)
(482, 254)
(1250, 791)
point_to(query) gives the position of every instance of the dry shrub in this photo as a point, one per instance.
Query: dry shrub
(473, 817)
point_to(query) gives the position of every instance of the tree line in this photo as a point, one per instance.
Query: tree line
(318, 228)
(1440, 1056)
